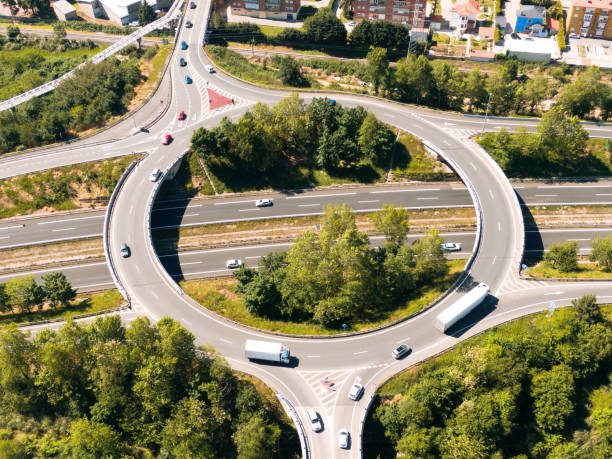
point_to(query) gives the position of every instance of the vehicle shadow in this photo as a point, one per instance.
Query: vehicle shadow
(485, 308)
(293, 363)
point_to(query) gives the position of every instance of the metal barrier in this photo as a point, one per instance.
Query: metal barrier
(298, 424)
(363, 421)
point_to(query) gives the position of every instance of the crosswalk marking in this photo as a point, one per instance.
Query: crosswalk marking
(202, 85)
(461, 133)
(326, 393)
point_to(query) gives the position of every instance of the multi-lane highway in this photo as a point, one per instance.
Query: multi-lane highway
(152, 290)
(170, 214)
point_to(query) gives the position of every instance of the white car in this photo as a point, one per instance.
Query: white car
(344, 438)
(263, 203)
(451, 246)
(210, 69)
(155, 174)
(233, 264)
(356, 391)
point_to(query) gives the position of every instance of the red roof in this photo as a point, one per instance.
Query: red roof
(468, 8)
(603, 4)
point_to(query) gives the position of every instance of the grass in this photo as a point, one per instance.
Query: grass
(153, 70)
(270, 31)
(412, 161)
(585, 271)
(219, 295)
(239, 66)
(83, 304)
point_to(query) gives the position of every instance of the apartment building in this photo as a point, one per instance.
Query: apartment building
(267, 9)
(589, 18)
(407, 12)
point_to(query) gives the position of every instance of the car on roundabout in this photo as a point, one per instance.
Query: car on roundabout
(125, 250)
(181, 115)
(189, 24)
(166, 139)
(188, 79)
(344, 438)
(356, 390)
(182, 62)
(451, 246)
(233, 264)
(400, 351)
(264, 203)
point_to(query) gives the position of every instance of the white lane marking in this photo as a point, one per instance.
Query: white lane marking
(191, 215)
(403, 340)
(229, 249)
(494, 258)
(51, 240)
(579, 239)
(191, 263)
(546, 195)
(320, 196)
(4, 237)
(178, 207)
(155, 295)
(63, 268)
(446, 143)
(518, 187)
(450, 124)
(473, 166)
(574, 186)
(225, 340)
(404, 191)
(62, 229)
(374, 200)
(186, 321)
(359, 352)
(309, 205)
(12, 227)
(313, 356)
(92, 285)
(552, 230)
(553, 293)
(253, 257)
(603, 194)
(232, 202)
(491, 193)
(421, 199)
(499, 226)
(248, 210)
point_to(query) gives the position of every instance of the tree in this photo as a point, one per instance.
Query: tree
(552, 391)
(146, 13)
(414, 78)
(375, 139)
(12, 31)
(325, 28)
(476, 89)
(535, 91)
(449, 87)
(348, 7)
(262, 297)
(392, 222)
(377, 67)
(256, 439)
(24, 293)
(587, 309)
(563, 256)
(335, 148)
(5, 301)
(601, 252)
(18, 363)
(57, 288)
(430, 260)
(562, 139)
(89, 439)
(290, 72)
(59, 30)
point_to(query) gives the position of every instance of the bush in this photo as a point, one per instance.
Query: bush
(563, 256)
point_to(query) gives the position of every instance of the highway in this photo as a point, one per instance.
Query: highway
(33, 230)
(152, 290)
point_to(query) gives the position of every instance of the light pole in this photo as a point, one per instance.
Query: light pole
(485, 118)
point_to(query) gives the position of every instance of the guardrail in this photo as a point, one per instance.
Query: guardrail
(105, 54)
(298, 424)
(363, 421)
(107, 217)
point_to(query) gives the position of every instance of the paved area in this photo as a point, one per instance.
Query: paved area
(265, 22)
(589, 51)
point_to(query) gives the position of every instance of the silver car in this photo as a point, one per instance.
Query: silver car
(344, 438)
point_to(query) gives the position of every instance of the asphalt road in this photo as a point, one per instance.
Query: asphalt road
(171, 214)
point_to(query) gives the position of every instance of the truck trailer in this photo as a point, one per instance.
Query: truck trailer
(265, 350)
(462, 307)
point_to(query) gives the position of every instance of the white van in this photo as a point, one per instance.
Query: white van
(315, 420)
(210, 69)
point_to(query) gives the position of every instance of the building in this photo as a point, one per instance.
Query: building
(528, 18)
(408, 12)
(589, 18)
(532, 49)
(267, 9)
(64, 10)
(463, 16)
(121, 12)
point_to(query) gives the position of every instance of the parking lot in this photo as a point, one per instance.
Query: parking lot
(589, 51)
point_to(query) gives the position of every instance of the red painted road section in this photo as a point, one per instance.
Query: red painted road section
(217, 100)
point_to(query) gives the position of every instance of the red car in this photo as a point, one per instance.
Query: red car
(166, 139)
(182, 115)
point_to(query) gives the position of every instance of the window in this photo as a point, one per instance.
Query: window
(599, 33)
(589, 10)
(571, 29)
(251, 6)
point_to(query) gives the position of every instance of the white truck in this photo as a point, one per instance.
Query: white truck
(265, 350)
(462, 307)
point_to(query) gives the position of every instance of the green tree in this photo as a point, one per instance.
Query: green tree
(580, 97)
(449, 89)
(57, 288)
(535, 91)
(290, 72)
(256, 439)
(587, 309)
(59, 30)
(392, 222)
(476, 89)
(146, 13)
(325, 28)
(262, 297)
(563, 256)
(375, 139)
(431, 263)
(417, 443)
(414, 78)
(18, 363)
(336, 149)
(552, 392)
(348, 7)
(601, 252)
(24, 293)
(562, 139)
(377, 67)
(94, 440)
(5, 300)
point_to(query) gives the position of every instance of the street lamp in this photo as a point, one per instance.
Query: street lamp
(485, 118)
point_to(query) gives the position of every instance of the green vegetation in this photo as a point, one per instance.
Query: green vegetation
(282, 146)
(238, 65)
(106, 391)
(146, 13)
(411, 161)
(560, 148)
(69, 187)
(537, 387)
(562, 256)
(23, 294)
(333, 277)
(34, 7)
(583, 271)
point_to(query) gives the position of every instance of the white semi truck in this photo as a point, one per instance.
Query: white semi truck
(266, 350)
(462, 307)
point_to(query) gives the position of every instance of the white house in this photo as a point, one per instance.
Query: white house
(463, 15)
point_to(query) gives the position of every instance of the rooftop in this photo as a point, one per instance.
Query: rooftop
(531, 11)
(63, 6)
(601, 4)
(466, 8)
(532, 45)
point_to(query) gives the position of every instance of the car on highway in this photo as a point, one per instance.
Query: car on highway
(183, 44)
(344, 438)
(233, 264)
(264, 203)
(188, 79)
(181, 115)
(315, 420)
(209, 68)
(182, 62)
(125, 250)
(155, 174)
(356, 391)
(189, 24)
(166, 139)
(574, 35)
(400, 351)
(192, 5)
(451, 246)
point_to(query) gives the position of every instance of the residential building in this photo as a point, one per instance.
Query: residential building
(463, 15)
(267, 9)
(531, 19)
(589, 18)
(408, 12)
(532, 49)
(64, 10)
(121, 12)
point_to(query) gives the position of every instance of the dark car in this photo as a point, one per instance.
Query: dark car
(189, 24)
(182, 62)
(192, 5)
(125, 250)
